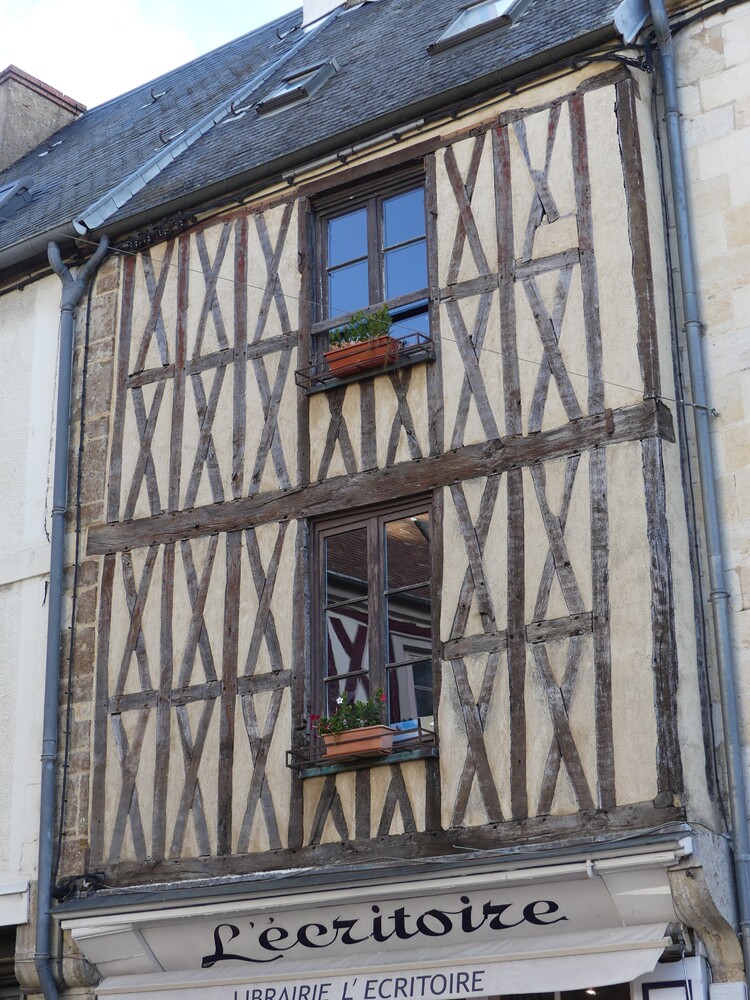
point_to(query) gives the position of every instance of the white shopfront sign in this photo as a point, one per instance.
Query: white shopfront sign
(562, 927)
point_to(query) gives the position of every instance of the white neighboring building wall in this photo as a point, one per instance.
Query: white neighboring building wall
(29, 330)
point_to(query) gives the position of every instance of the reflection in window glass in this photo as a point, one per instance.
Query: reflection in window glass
(405, 270)
(403, 218)
(478, 13)
(347, 289)
(347, 237)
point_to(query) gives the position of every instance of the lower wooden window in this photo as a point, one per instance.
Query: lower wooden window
(373, 611)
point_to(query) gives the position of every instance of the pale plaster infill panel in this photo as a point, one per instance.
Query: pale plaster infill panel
(198, 392)
(277, 777)
(268, 370)
(189, 717)
(207, 340)
(417, 402)
(633, 715)
(577, 536)
(482, 209)
(164, 255)
(281, 604)
(456, 562)
(150, 624)
(112, 786)
(613, 252)
(160, 448)
(288, 280)
(490, 367)
(197, 550)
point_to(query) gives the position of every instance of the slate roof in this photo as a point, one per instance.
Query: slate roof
(386, 76)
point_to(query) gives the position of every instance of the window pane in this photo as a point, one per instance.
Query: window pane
(480, 13)
(407, 548)
(403, 218)
(347, 237)
(409, 625)
(346, 642)
(346, 566)
(410, 691)
(405, 269)
(408, 330)
(347, 289)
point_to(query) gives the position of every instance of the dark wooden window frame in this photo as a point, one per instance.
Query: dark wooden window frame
(374, 518)
(370, 193)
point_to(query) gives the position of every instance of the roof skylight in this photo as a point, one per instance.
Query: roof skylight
(476, 18)
(298, 86)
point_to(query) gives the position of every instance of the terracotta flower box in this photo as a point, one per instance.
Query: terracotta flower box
(368, 741)
(348, 359)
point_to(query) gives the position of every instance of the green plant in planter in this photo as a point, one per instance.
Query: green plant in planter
(362, 327)
(351, 715)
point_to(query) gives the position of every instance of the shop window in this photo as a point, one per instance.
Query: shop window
(372, 257)
(373, 610)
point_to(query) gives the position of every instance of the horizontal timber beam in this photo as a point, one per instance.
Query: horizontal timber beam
(630, 423)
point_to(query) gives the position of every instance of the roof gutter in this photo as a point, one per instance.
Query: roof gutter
(719, 596)
(73, 290)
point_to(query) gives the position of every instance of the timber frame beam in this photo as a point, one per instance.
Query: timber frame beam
(650, 419)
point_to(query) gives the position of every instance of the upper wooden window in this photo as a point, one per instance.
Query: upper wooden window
(372, 249)
(373, 610)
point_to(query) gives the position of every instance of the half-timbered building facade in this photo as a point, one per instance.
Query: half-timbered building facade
(486, 529)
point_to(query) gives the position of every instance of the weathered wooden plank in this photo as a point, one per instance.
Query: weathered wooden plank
(368, 425)
(631, 423)
(552, 355)
(191, 799)
(144, 466)
(128, 806)
(163, 708)
(638, 230)
(362, 805)
(228, 693)
(264, 626)
(469, 288)
(474, 547)
(559, 628)
(435, 400)
(155, 289)
(216, 359)
(600, 617)
(239, 371)
(259, 789)
(120, 388)
(539, 398)
(306, 259)
(205, 449)
(257, 684)
(197, 636)
(329, 804)
(664, 643)
(470, 347)
(554, 754)
(468, 587)
(101, 720)
(301, 658)
(506, 280)
(558, 547)
(571, 830)
(400, 381)
(210, 299)
(558, 710)
(480, 765)
(548, 572)
(543, 265)
(470, 645)
(396, 796)
(136, 603)
(589, 277)
(270, 438)
(178, 385)
(466, 229)
(337, 433)
(516, 563)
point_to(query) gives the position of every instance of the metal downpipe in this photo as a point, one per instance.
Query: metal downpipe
(719, 596)
(73, 290)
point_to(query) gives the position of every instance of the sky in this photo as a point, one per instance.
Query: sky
(93, 50)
